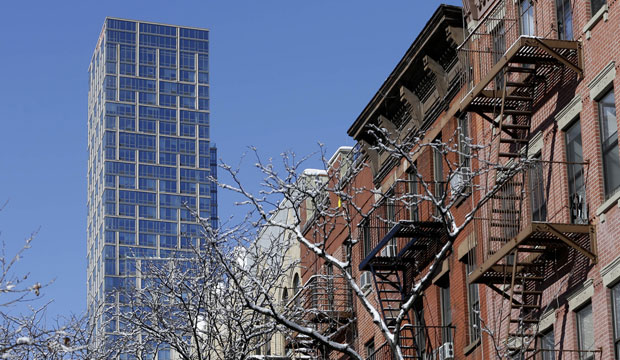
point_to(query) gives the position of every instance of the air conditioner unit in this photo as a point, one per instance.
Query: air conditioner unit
(390, 249)
(446, 351)
(460, 181)
(366, 280)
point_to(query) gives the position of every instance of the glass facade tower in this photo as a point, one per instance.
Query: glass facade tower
(149, 148)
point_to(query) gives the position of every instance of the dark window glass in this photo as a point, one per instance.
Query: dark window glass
(187, 61)
(167, 100)
(609, 143)
(128, 53)
(147, 98)
(121, 25)
(565, 19)
(167, 58)
(147, 71)
(203, 78)
(167, 74)
(203, 62)
(597, 5)
(446, 313)
(615, 304)
(576, 180)
(147, 56)
(127, 69)
(473, 299)
(158, 29)
(370, 350)
(187, 75)
(499, 48)
(537, 191)
(188, 103)
(366, 238)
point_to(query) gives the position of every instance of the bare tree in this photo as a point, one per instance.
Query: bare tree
(185, 306)
(329, 200)
(25, 330)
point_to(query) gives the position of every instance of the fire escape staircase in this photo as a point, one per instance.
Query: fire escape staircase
(516, 268)
(393, 263)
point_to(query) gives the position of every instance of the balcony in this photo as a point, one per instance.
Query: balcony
(541, 210)
(402, 230)
(324, 303)
(508, 46)
(433, 340)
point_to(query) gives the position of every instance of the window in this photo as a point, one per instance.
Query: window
(370, 350)
(609, 143)
(390, 207)
(547, 345)
(438, 170)
(296, 288)
(446, 311)
(537, 190)
(526, 15)
(420, 329)
(615, 305)
(576, 182)
(565, 19)
(499, 48)
(585, 332)
(366, 238)
(473, 299)
(414, 194)
(596, 5)
(464, 141)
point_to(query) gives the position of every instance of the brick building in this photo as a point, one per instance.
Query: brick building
(507, 127)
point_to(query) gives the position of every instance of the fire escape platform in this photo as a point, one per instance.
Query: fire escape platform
(536, 240)
(421, 236)
(545, 54)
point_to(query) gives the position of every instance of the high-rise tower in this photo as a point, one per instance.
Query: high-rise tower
(149, 150)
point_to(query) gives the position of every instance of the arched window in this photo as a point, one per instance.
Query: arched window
(285, 296)
(295, 284)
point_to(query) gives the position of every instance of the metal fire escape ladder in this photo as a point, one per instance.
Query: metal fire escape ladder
(390, 287)
(518, 80)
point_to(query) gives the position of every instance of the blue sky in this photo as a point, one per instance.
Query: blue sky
(285, 75)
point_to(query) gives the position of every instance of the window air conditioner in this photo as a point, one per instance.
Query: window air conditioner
(366, 281)
(446, 351)
(390, 249)
(459, 181)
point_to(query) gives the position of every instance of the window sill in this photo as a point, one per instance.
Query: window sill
(603, 13)
(469, 348)
(614, 199)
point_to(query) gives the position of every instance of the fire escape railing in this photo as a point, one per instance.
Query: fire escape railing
(488, 41)
(325, 301)
(551, 204)
(403, 216)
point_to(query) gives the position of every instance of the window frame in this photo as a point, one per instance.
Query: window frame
(526, 13)
(473, 299)
(562, 8)
(575, 172)
(580, 330)
(370, 349)
(615, 311)
(546, 334)
(608, 147)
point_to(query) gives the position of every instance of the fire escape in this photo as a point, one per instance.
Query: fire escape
(538, 216)
(400, 237)
(324, 303)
